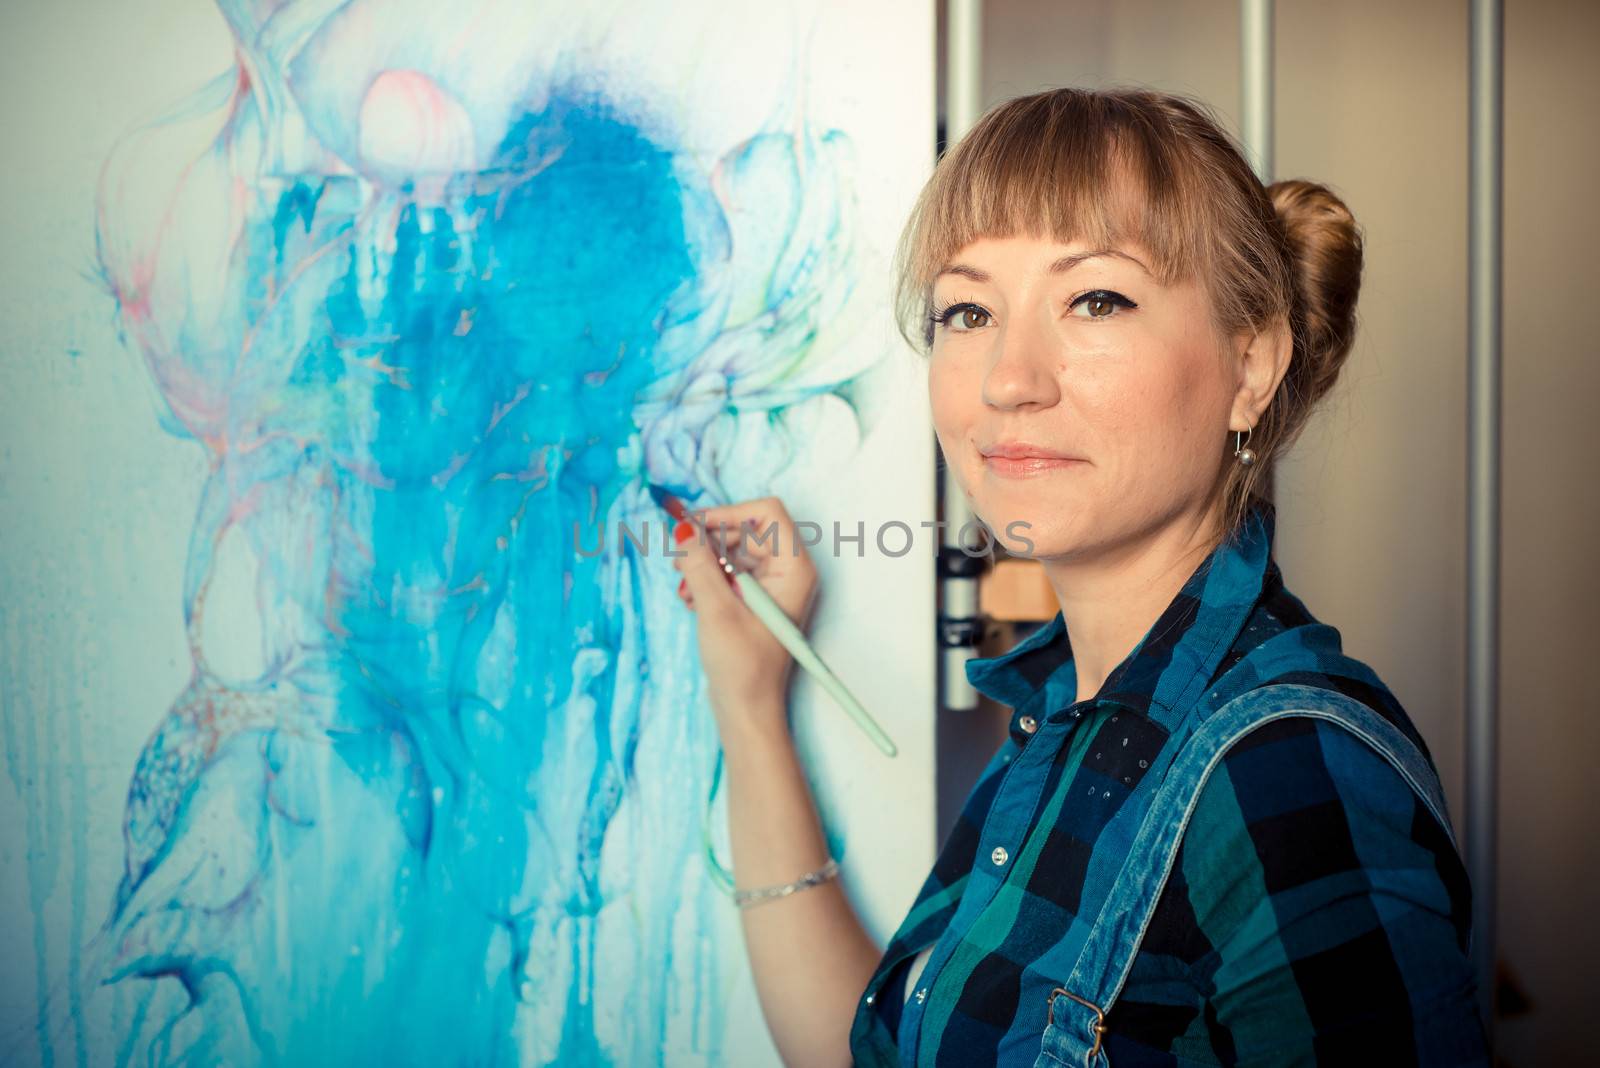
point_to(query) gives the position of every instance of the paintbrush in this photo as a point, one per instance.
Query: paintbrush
(776, 620)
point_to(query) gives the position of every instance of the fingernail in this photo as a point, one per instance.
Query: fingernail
(683, 587)
(683, 531)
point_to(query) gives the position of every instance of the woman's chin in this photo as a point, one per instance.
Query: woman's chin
(1030, 538)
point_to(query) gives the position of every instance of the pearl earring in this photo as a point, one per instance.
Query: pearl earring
(1245, 456)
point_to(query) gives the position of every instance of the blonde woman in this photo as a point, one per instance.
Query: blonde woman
(1211, 837)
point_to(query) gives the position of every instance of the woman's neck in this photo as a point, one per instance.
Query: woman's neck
(1111, 600)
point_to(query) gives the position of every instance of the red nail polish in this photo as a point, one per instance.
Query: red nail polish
(683, 587)
(683, 531)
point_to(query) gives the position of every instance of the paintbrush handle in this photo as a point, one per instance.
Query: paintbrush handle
(782, 627)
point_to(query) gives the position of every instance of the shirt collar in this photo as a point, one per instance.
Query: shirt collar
(1164, 674)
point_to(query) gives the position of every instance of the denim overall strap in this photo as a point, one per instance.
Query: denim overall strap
(1078, 1007)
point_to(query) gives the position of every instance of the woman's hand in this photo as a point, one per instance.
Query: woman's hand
(746, 667)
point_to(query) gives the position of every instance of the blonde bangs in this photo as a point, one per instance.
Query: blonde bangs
(1065, 167)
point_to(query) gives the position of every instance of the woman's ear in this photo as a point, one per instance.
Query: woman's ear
(1262, 364)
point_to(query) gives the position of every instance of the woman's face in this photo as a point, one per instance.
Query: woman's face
(1051, 349)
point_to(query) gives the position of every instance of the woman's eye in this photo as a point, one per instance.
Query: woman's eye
(1100, 303)
(962, 317)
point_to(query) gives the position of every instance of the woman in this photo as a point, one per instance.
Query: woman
(1210, 837)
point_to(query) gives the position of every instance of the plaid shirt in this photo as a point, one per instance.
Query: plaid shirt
(1316, 912)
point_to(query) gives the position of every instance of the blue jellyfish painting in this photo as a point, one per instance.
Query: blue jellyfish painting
(438, 316)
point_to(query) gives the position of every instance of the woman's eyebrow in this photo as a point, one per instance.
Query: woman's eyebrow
(963, 270)
(1067, 263)
(1060, 266)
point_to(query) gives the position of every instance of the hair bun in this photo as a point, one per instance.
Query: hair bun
(1325, 245)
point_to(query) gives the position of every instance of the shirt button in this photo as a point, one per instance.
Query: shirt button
(1028, 724)
(999, 856)
(869, 998)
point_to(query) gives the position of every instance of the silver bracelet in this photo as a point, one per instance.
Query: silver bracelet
(745, 898)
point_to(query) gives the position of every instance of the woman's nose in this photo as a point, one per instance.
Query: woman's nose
(1022, 369)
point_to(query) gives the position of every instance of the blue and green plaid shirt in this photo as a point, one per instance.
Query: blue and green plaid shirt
(1316, 912)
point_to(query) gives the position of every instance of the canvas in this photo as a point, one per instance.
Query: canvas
(349, 712)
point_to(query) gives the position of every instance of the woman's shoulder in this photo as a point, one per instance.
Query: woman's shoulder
(1318, 815)
(1303, 775)
(1307, 796)
(1283, 644)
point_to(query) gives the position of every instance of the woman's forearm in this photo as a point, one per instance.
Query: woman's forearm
(810, 955)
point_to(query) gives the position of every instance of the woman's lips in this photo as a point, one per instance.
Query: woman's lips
(1028, 466)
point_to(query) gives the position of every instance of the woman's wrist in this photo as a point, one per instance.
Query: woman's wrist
(758, 721)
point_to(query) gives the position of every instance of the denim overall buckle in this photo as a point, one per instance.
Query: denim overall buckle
(1098, 1027)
